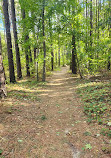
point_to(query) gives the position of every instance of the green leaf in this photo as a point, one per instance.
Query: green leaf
(88, 146)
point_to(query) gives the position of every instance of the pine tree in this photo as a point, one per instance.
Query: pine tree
(19, 72)
(9, 43)
(44, 45)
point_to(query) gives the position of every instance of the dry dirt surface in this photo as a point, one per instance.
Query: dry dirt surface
(55, 127)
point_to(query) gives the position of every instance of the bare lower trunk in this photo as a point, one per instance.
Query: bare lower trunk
(44, 64)
(74, 56)
(3, 92)
(109, 59)
(52, 60)
(59, 56)
(56, 57)
(19, 72)
(26, 49)
(63, 54)
(37, 66)
(9, 43)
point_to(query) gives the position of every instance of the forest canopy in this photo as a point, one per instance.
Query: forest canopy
(42, 35)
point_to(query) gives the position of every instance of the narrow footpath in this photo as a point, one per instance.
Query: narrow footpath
(53, 127)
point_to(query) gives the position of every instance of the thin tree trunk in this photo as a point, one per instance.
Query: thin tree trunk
(38, 49)
(63, 54)
(56, 58)
(3, 92)
(19, 72)
(98, 19)
(52, 59)
(35, 53)
(44, 46)
(9, 43)
(30, 54)
(86, 29)
(59, 62)
(27, 57)
(74, 55)
(52, 54)
(109, 62)
(91, 31)
(37, 66)
(80, 73)
(26, 49)
(91, 24)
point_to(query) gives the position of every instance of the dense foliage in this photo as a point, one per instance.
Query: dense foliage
(53, 33)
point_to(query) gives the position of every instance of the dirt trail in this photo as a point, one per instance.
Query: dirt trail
(51, 128)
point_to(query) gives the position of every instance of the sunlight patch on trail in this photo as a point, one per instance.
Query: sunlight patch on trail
(55, 84)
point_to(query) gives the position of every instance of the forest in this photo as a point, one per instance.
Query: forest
(49, 34)
(55, 60)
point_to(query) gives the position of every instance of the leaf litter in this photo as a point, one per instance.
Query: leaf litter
(45, 128)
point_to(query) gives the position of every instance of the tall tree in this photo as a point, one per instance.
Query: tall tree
(59, 61)
(74, 55)
(52, 54)
(9, 43)
(86, 42)
(109, 56)
(3, 92)
(19, 72)
(44, 45)
(26, 38)
(91, 33)
(74, 52)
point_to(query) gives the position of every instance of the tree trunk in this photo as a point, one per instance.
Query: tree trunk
(74, 55)
(35, 53)
(91, 24)
(59, 61)
(19, 72)
(9, 43)
(44, 46)
(63, 54)
(27, 57)
(98, 18)
(86, 29)
(91, 31)
(37, 65)
(56, 58)
(30, 54)
(26, 48)
(3, 92)
(109, 62)
(52, 54)
(52, 59)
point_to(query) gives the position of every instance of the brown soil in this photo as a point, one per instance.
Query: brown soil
(55, 127)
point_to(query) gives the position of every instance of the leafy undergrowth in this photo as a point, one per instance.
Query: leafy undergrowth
(24, 90)
(96, 96)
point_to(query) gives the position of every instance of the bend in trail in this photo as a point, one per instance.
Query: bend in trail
(59, 132)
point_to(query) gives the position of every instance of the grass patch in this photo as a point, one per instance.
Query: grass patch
(25, 90)
(23, 95)
(96, 97)
(43, 117)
